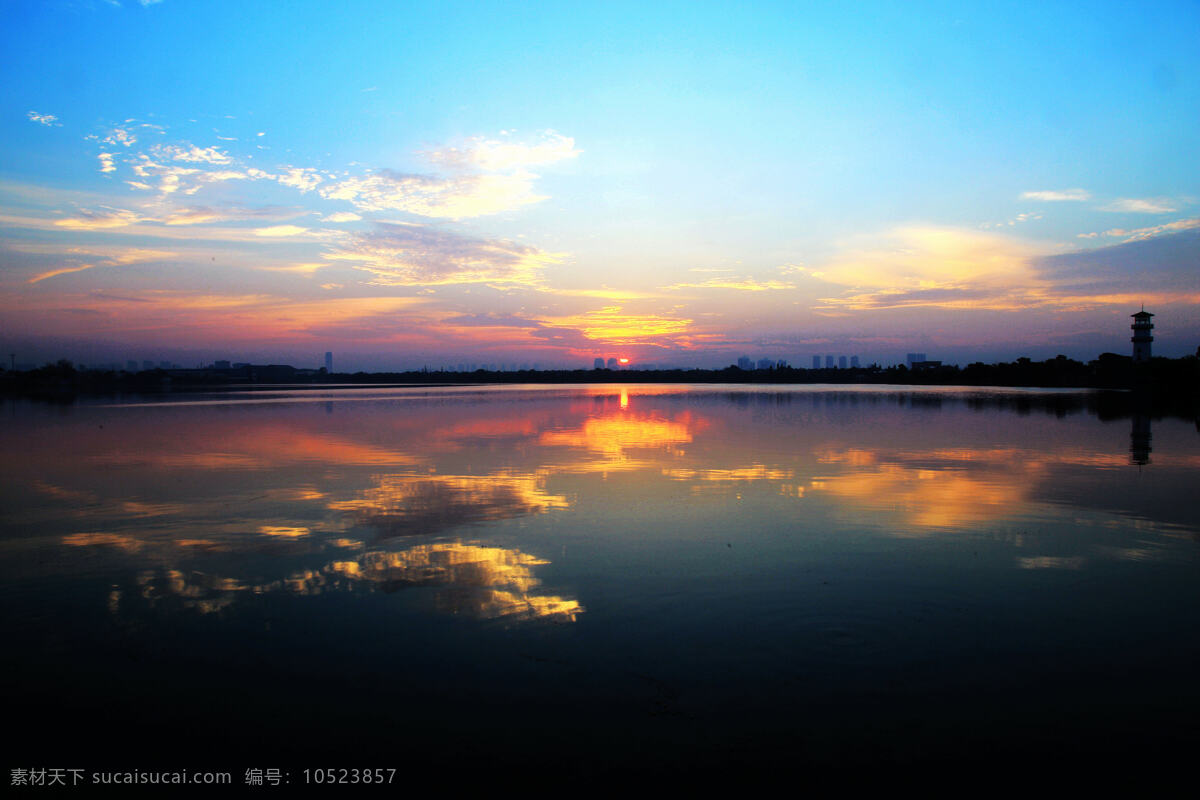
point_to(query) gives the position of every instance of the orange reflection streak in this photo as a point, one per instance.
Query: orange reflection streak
(484, 582)
(756, 472)
(271, 445)
(853, 456)
(283, 531)
(1052, 562)
(405, 505)
(928, 497)
(127, 543)
(614, 435)
(519, 426)
(91, 505)
(488, 581)
(299, 446)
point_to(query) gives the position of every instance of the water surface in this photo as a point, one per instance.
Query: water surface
(582, 580)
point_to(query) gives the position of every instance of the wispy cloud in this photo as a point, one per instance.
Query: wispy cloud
(1058, 196)
(408, 255)
(1142, 205)
(1136, 234)
(131, 255)
(1158, 266)
(1019, 218)
(741, 285)
(281, 230)
(104, 218)
(482, 176)
(193, 216)
(302, 269)
(199, 215)
(935, 267)
(961, 270)
(49, 120)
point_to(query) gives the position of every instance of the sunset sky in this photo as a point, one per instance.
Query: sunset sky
(678, 183)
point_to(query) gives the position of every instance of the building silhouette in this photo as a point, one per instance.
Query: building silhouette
(328, 361)
(1142, 337)
(816, 362)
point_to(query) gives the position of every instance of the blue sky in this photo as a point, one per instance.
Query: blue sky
(410, 183)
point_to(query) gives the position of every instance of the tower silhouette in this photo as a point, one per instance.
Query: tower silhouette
(1142, 337)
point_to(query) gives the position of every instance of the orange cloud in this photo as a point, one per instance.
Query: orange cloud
(613, 325)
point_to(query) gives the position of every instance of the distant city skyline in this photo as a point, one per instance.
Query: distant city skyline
(1142, 339)
(683, 184)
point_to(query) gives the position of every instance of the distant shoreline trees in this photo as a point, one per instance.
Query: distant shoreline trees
(1108, 371)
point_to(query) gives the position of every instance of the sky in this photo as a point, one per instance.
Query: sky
(433, 184)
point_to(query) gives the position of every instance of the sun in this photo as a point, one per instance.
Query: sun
(622, 360)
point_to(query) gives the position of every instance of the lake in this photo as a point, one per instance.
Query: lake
(600, 580)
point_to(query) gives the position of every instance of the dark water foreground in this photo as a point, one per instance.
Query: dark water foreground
(699, 583)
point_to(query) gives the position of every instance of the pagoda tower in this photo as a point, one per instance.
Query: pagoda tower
(1141, 336)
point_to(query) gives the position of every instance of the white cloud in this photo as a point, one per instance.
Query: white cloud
(223, 175)
(186, 180)
(488, 176)
(191, 153)
(1142, 205)
(106, 162)
(121, 136)
(1073, 195)
(303, 178)
(342, 216)
(456, 197)
(49, 120)
(495, 155)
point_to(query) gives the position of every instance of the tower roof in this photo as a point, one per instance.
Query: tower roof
(1143, 314)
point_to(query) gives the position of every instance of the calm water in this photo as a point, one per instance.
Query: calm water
(587, 579)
